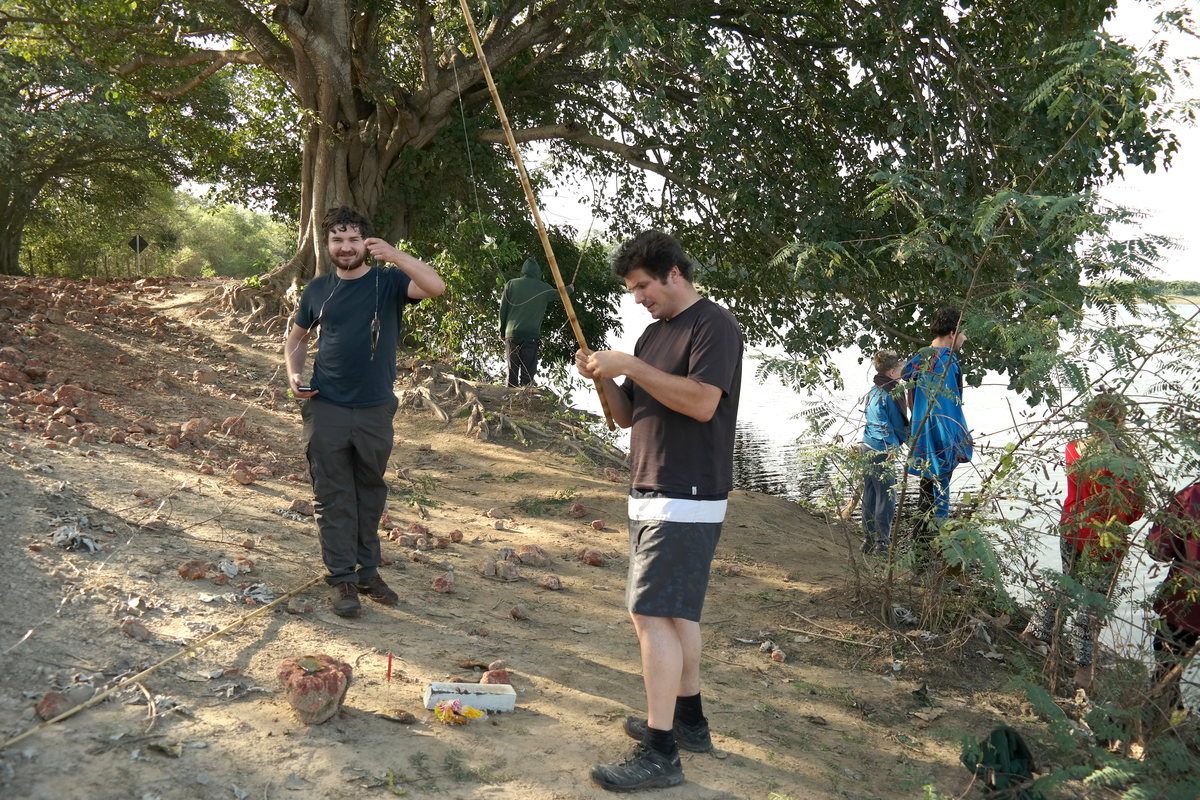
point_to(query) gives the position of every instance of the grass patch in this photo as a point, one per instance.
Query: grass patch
(541, 506)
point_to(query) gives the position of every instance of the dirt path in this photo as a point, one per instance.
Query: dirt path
(134, 475)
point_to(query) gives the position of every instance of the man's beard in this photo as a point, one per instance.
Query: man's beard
(352, 266)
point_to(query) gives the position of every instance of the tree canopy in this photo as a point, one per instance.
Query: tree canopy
(839, 168)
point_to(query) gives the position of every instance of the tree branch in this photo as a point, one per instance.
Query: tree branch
(635, 156)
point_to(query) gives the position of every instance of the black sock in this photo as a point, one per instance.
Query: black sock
(662, 741)
(689, 710)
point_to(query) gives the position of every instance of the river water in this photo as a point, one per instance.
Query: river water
(772, 434)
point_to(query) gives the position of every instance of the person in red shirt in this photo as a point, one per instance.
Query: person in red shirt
(1104, 497)
(1175, 540)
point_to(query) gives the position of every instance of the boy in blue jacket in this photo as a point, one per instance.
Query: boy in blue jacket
(886, 429)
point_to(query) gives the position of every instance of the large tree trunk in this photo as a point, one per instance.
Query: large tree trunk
(14, 211)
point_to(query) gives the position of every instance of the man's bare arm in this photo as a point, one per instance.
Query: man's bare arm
(677, 392)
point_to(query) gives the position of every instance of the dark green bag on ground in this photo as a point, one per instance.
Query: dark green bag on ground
(1004, 763)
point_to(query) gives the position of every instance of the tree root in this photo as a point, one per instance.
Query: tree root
(435, 390)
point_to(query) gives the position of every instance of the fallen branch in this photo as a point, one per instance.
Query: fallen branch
(832, 638)
(149, 670)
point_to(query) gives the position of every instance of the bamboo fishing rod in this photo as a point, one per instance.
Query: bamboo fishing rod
(533, 206)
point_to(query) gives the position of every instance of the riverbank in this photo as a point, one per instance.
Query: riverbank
(177, 445)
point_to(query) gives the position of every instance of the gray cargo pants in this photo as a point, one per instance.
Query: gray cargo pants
(348, 450)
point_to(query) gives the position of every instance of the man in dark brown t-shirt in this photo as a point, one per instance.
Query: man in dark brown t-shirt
(679, 397)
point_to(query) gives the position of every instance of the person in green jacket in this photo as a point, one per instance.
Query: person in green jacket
(522, 306)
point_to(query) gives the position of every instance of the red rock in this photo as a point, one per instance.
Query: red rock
(303, 507)
(456, 535)
(613, 474)
(418, 557)
(69, 395)
(499, 663)
(220, 579)
(552, 582)
(733, 570)
(418, 529)
(598, 524)
(576, 510)
(386, 560)
(205, 469)
(592, 558)
(117, 437)
(444, 584)
(442, 542)
(193, 570)
(234, 426)
(496, 676)
(301, 605)
(533, 555)
(778, 655)
(243, 564)
(195, 429)
(52, 704)
(386, 523)
(519, 611)
(134, 629)
(315, 686)
(242, 475)
(172, 441)
(35, 547)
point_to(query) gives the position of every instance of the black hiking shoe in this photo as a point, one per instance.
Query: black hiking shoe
(644, 768)
(694, 738)
(374, 588)
(345, 599)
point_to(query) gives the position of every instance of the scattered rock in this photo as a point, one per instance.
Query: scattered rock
(315, 686)
(193, 570)
(519, 611)
(533, 555)
(552, 582)
(134, 629)
(498, 525)
(778, 655)
(52, 704)
(593, 558)
(598, 524)
(417, 529)
(507, 571)
(497, 513)
(301, 605)
(496, 676)
(488, 567)
(242, 475)
(499, 663)
(456, 536)
(613, 474)
(576, 510)
(444, 584)
(305, 507)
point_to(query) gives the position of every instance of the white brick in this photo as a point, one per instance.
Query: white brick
(481, 696)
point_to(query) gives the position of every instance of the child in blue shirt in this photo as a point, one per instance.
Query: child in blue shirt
(886, 429)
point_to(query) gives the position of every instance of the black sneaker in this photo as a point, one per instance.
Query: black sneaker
(374, 588)
(695, 738)
(345, 599)
(644, 768)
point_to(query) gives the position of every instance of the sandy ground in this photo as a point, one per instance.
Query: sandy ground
(836, 718)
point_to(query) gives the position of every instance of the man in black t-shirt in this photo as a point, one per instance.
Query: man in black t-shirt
(349, 402)
(680, 398)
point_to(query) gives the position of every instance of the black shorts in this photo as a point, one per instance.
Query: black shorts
(668, 567)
